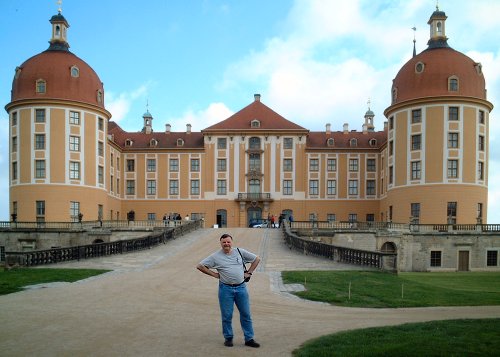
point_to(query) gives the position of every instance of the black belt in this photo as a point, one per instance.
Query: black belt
(233, 285)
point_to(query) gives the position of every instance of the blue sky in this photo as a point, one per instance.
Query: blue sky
(314, 62)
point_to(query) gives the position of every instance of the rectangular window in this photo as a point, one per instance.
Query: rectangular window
(221, 187)
(151, 216)
(353, 164)
(353, 217)
(370, 187)
(353, 187)
(151, 187)
(452, 168)
(118, 186)
(331, 164)
(479, 210)
(287, 187)
(492, 258)
(111, 181)
(100, 175)
(40, 141)
(14, 118)
(174, 187)
(453, 113)
(74, 170)
(391, 148)
(416, 167)
(174, 164)
(287, 164)
(313, 187)
(74, 118)
(151, 165)
(415, 212)
(481, 117)
(100, 123)
(221, 165)
(195, 165)
(195, 187)
(287, 143)
(371, 165)
(370, 217)
(118, 163)
(416, 116)
(481, 143)
(221, 143)
(435, 258)
(14, 143)
(391, 175)
(14, 170)
(74, 143)
(452, 140)
(39, 115)
(74, 210)
(451, 212)
(331, 217)
(391, 123)
(39, 168)
(40, 209)
(313, 165)
(112, 160)
(331, 187)
(130, 165)
(130, 187)
(480, 170)
(100, 148)
(416, 142)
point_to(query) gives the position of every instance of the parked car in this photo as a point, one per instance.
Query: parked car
(258, 223)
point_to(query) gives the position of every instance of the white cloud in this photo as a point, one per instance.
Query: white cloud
(119, 104)
(201, 119)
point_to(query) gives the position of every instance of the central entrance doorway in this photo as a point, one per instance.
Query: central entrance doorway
(254, 215)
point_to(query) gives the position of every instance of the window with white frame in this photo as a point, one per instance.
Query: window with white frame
(195, 187)
(39, 115)
(353, 187)
(370, 187)
(151, 165)
(195, 165)
(331, 217)
(452, 140)
(353, 165)
(331, 164)
(74, 143)
(452, 168)
(174, 165)
(453, 113)
(480, 143)
(331, 187)
(416, 116)
(221, 165)
(371, 165)
(480, 170)
(416, 142)
(287, 187)
(74, 118)
(130, 187)
(221, 187)
(74, 210)
(174, 187)
(151, 187)
(39, 168)
(74, 170)
(313, 165)
(221, 143)
(416, 167)
(287, 164)
(287, 143)
(100, 174)
(313, 187)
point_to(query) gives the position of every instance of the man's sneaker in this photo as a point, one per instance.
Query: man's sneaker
(228, 342)
(252, 343)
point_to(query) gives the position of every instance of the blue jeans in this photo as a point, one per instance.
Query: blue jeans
(228, 296)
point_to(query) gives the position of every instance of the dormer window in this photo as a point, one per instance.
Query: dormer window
(180, 142)
(394, 94)
(75, 72)
(128, 142)
(330, 142)
(479, 68)
(353, 142)
(153, 143)
(41, 86)
(255, 123)
(453, 84)
(99, 96)
(419, 67)
(373, 142)
(17, 73)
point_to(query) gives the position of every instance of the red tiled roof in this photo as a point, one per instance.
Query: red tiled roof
(269, 120)
(193, 140)
(318, 140)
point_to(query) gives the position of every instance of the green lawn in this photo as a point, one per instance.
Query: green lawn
(437, 338)
(380, 290)
(12, 281)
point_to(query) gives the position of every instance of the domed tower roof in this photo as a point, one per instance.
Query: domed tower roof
(63, 75)
(428, 74)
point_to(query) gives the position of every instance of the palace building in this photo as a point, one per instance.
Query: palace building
(429, 164)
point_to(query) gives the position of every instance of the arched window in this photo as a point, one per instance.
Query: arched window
(330, 142)
(99, 96)
(373, 142)
(180, 142)
(255, 123)
(419, 67)
(58, 31)
(153, 143)
(41, 86)
(128, 142)
(353, 142)
(394, 94)
(254, 143)
(453, 84)
(75, 72)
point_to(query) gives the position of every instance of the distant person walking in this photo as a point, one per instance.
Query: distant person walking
(228, 265)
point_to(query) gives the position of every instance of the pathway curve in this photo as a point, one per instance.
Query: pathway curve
(155, 303)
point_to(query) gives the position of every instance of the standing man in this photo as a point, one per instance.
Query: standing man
(228, 264)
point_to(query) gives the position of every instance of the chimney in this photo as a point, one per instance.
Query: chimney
(346, 128)
(256, 97)
(188, 128)
(167, 128)
(328, 129)
(365, 128)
